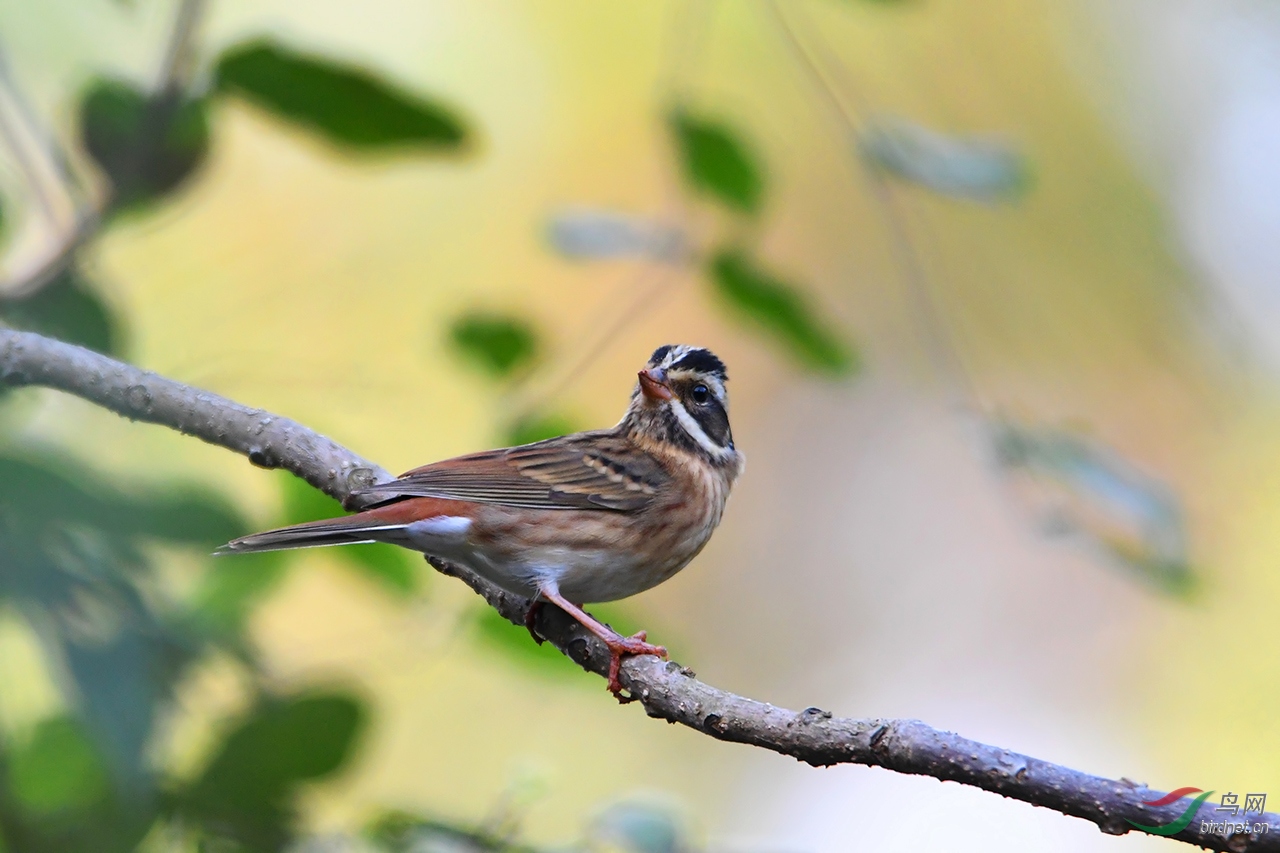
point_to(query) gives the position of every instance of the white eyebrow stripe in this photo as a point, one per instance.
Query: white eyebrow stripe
(718, 387)
(695, 429)
(712, 382)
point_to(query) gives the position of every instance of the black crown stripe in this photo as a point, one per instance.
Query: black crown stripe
(702, 361)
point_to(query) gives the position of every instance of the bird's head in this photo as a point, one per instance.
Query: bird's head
(680, 398)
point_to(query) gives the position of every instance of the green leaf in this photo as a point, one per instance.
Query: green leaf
(45, 489)
(146, 144)
(234, 584)
(247, 794)
(513, 642)
(280, 746)
(66, 308)
(191, 517)
(303, 502)
(978, 168)
(717, 163)
(404, 832)
(495, 633)
(500, 345)
(1092, 495)
(639, 827)
(73, 560)
(57, 770)
(779, 309)
(393, 568)
(124, 670)
(539, 427)
(345, 104)
(71, 554)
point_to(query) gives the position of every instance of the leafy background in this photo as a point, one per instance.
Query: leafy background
(1010, 462)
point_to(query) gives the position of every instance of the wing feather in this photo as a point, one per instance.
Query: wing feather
(595, 470)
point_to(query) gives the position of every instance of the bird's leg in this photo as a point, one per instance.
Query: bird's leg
(531, 616)
(618, 645)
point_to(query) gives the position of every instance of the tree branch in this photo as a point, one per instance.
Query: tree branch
(266, 440)
(666, 690)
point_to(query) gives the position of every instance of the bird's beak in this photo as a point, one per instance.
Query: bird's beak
(653, 382)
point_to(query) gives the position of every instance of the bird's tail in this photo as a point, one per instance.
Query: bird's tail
(349, 530)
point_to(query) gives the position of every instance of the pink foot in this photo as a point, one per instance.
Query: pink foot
(620, 646)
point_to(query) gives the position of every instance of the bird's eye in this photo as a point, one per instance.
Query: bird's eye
(700, 393)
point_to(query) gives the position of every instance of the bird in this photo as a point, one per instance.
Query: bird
(584, 518)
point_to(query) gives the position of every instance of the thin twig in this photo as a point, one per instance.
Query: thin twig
(665, 690)
(175, 67)
(18, 130)
(944, 352)
(86, 220)
(12, 136)
(50, 146)
(684, 39)
(56, 258)
(638, 297)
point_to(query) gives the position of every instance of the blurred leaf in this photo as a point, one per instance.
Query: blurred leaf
(402, 832)
(777, 307)
(44, 489)
(982, 169)
(74, 560)
(514, 643)
(124, 660)
(58, 770)
(234, 584)
(245, 800)
(494, 632)
(303, 502)
(122, 679)
(717, 163)
(1083, 490)
(393, 568)
(539, 427)
(638, 828)
(62, 527)
(66, 308)
(192, 517)
(500, 345)
(1174, 576)
(345, 104)
(146, 144)
(587, 234)
(281, 745)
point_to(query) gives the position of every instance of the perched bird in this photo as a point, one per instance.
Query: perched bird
(590, 517)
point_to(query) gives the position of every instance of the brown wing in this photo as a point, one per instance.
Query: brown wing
(593, 470)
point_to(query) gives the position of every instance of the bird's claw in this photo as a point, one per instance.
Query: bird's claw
(626, 646)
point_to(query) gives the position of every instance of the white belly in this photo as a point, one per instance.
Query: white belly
(583, 575)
